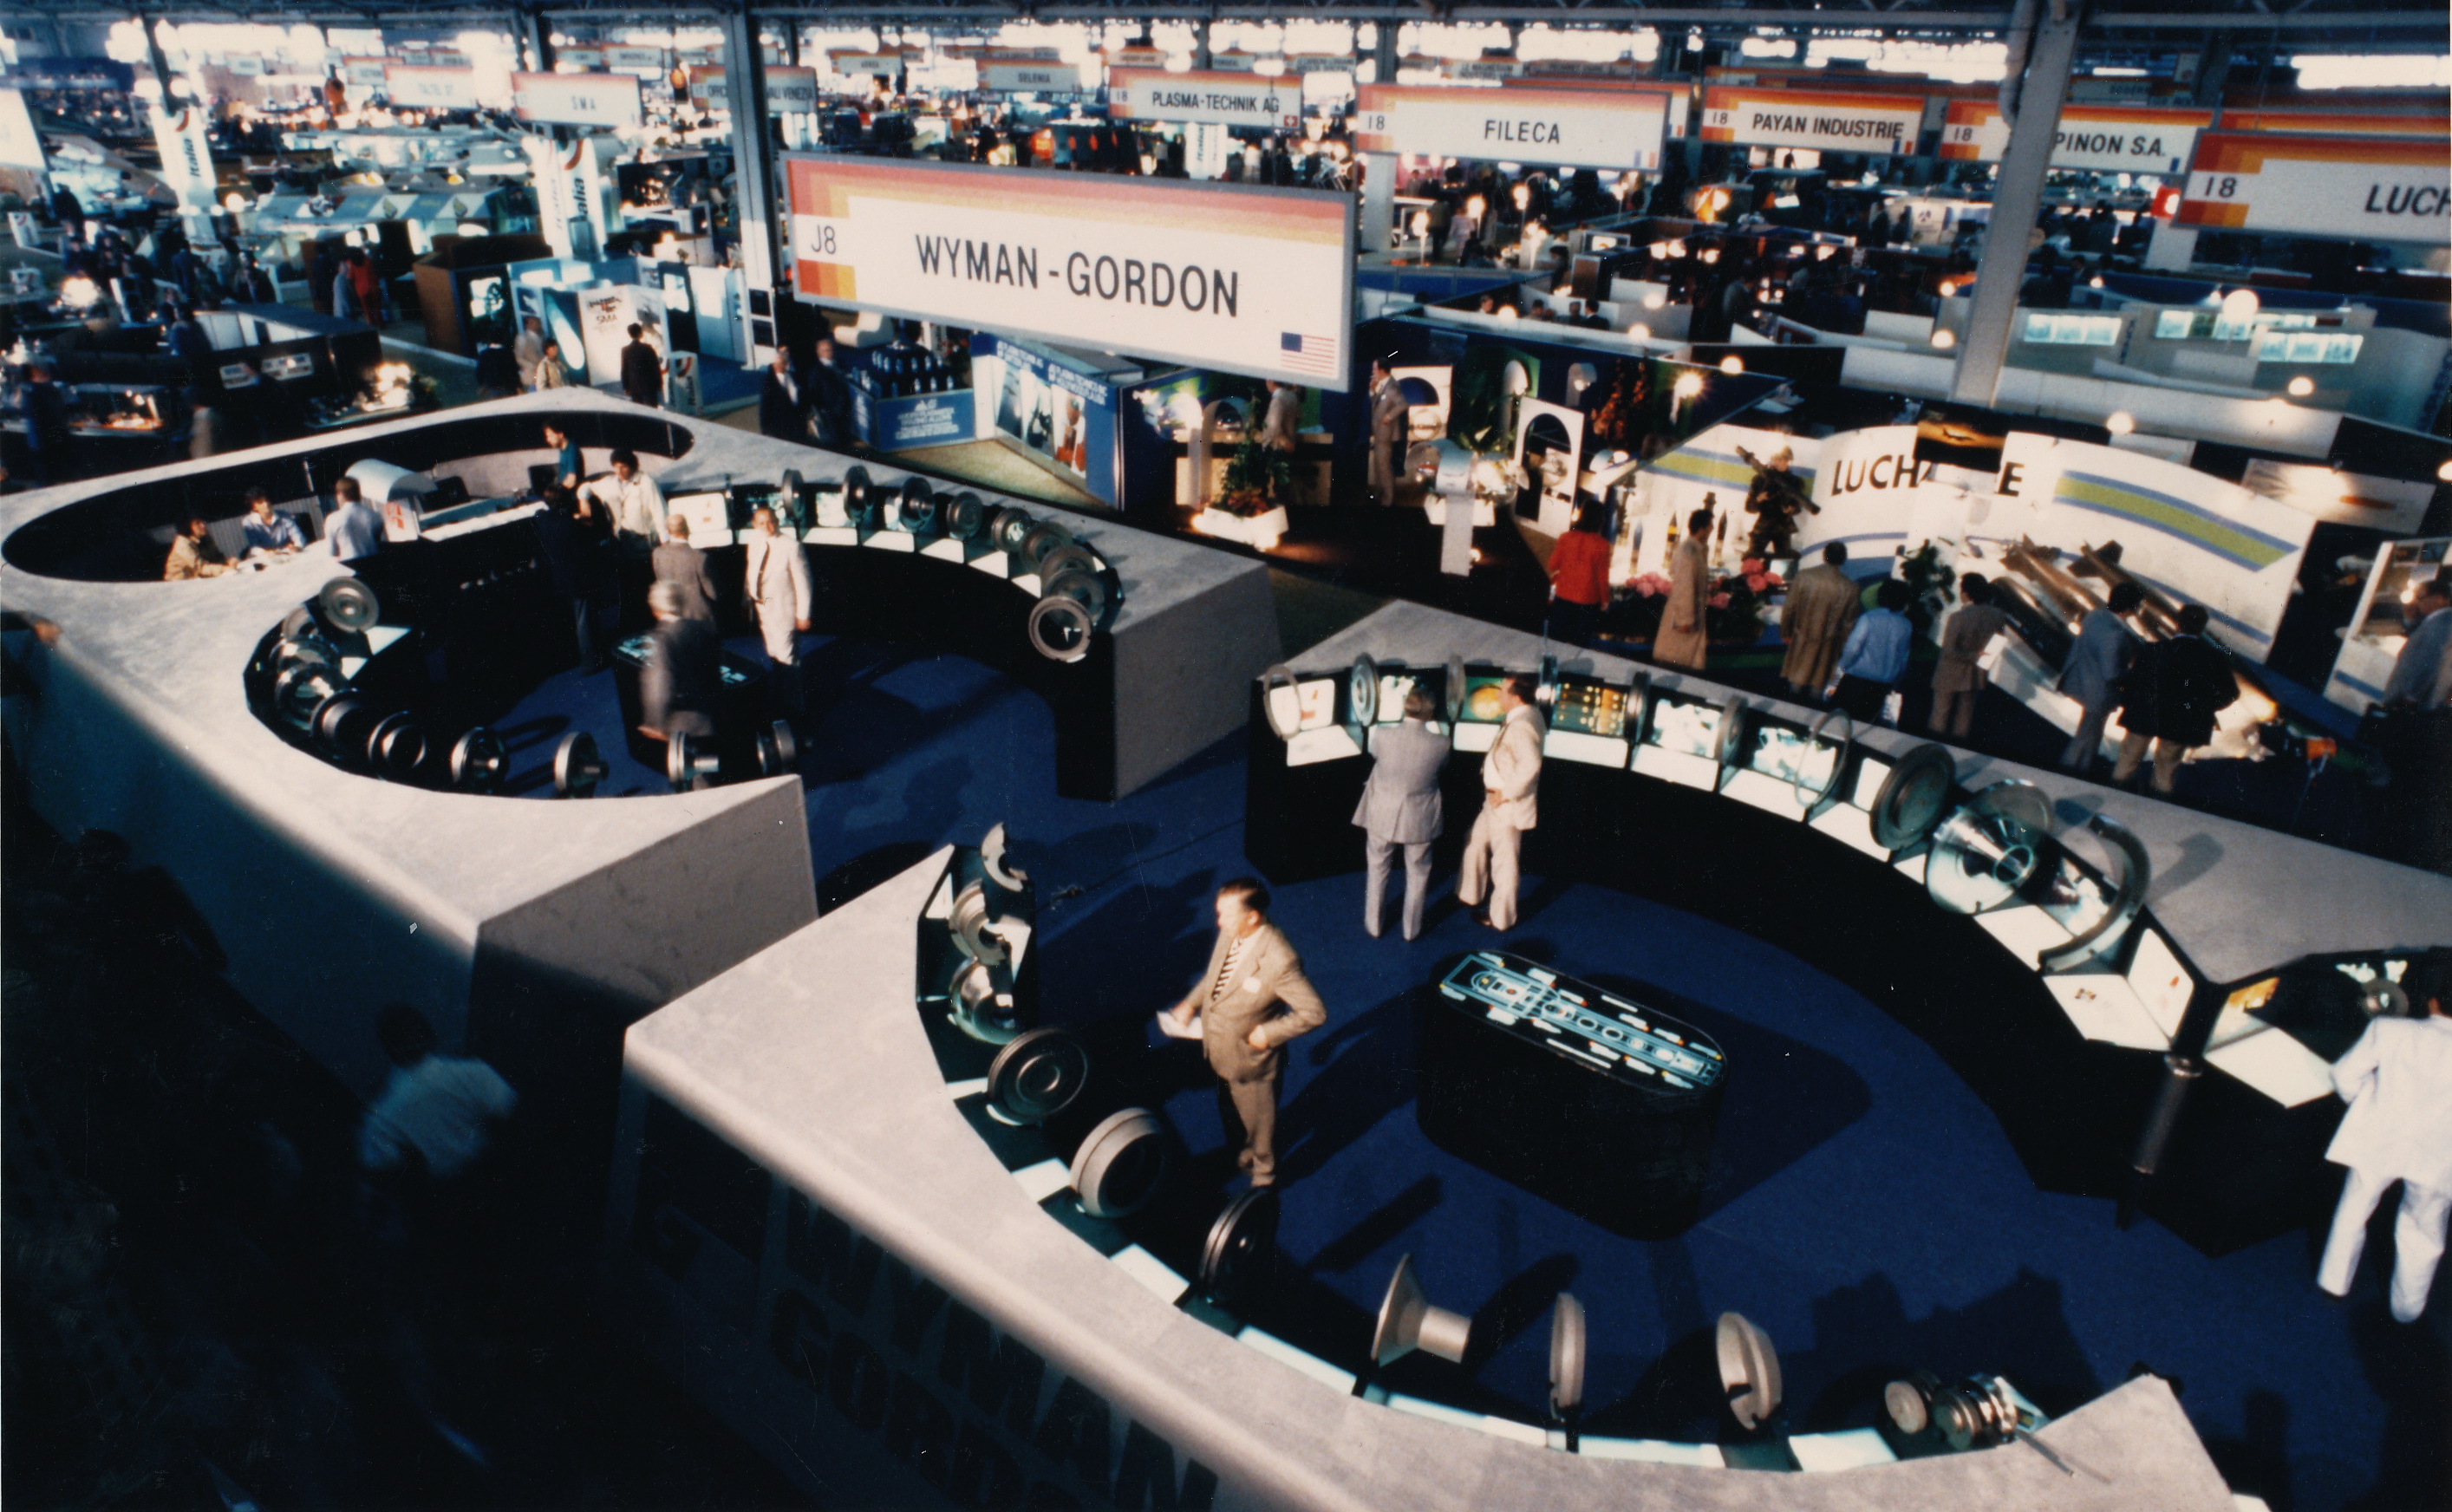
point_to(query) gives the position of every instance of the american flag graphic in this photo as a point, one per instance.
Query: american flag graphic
(1309, 354)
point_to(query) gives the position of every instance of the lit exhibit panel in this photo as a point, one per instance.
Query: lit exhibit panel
(2072, 911)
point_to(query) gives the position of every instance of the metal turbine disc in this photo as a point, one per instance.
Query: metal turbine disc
(1067, 558)
(301, 690)
(1285, 714)
(1087, 589)
(1122, 1164)
(1038, 1075)
(915, 509)
(1007, 528)
(1060, 630)
(1568, 1344)
(1042, 541)
(779, 750)
(1241, 1242)
(1362, 692)
(1914, 796)
(480, 761)
(576, 769)
(970, 923)
(350, 604)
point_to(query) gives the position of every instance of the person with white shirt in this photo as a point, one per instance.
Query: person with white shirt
(633, 502)
(781, 596)
(353, 528)
(527, 350)
(2398, 1081)
(1511, 780)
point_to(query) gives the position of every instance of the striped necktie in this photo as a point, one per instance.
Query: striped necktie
(1226, 969)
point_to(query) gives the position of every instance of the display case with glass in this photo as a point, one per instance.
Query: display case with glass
(1680, 740)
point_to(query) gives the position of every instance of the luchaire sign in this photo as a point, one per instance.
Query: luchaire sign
(2100, 138)
(1588, 129)
(1219, 99)
(1887, 124)
(1234, 277)
(2374, 188)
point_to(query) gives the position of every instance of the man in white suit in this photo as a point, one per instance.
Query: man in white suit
(781, 596)
(1510, 782)
(1401, 807)
(2398, 1081)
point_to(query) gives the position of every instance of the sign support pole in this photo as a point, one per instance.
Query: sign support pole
(540, 40)
(753, 157)
(2017, 195)
(1379, 202)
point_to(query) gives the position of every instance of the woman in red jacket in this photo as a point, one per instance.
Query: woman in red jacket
(1578, 581)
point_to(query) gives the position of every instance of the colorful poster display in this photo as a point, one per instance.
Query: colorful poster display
(2372, 188)
(1812, 118)
(1592, 129)
(578, 99)
(2102, 138)
(1232, 278)
(1067, 418)
(1221, 99)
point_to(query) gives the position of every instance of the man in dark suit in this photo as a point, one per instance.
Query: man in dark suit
(828, 391)
(1250, 1000)
(642, 372)
(678, 562)
(782, 413)
(1401, 807)
(2170, 698)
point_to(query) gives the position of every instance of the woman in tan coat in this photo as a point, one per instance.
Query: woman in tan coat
(1684, 640)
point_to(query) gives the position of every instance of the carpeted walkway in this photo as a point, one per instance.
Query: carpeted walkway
(1866, 1210)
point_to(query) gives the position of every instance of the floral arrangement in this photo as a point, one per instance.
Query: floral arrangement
(1732, 610)
(1255, 475)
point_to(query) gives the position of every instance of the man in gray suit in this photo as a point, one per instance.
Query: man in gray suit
(2097, 661)
(1250, 1000)
(1401, 807)
(1390, 415)
(678, 562)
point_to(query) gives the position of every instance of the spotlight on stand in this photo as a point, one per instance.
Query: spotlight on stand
(691, 763)
(1242, 1245)
(480, 761)
(1568, 1341)
(1121, 1165)
(578, 768)
(1407, 1321)
(1749, 1370)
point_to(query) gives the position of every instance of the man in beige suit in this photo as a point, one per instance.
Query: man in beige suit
(1510, 782)
(779, 599)
(1821, 609)
(1250, 1000)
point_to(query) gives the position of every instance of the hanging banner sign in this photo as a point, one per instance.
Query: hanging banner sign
(2100, 138)
(1230, 278)
(443, 88)
(249, 65)
(73, 73)
(2336, 122)
(1222, 99)
(635, 58)
(1234, 62)
(1568, 127)
(1030, 78)
(862, 65)
(789, 91)
(1580, 69)
(21, 146)
(557, 191)
(1809, 118)
(1136, 58)
(365, 73)
(2372, 188)
(1307, 63)
(1680, 100)
(1485, 69)
(186, 159)
(577, 99)
(578, 60)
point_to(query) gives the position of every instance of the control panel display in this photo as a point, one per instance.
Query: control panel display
(1586, 1023)
(710, 521)
(1692, 729)
(1482, 704)
(1590, 707)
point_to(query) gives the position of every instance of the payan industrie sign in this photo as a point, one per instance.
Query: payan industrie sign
(1589, 128)
(1234, 277)
(1810, 118)
(2375, 189)
(2102, 138)
(1221, 99)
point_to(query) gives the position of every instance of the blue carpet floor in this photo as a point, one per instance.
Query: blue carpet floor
(1866, 1210)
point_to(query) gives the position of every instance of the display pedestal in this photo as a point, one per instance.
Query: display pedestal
(1483, 514)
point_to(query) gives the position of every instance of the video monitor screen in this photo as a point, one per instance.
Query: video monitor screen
(1691, 728)
(1590, 707)
(709, 520)
(1482, 704)
(1310, 704)
(1393, 686)
(1787, 755)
